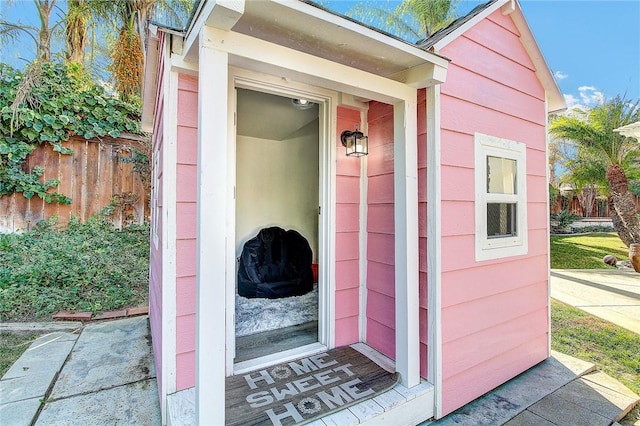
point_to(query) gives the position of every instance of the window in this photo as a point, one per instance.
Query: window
(501, 197)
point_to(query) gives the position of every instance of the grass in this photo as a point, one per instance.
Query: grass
(586, 251)
(614, 350)
(12, 345)
(89, 266)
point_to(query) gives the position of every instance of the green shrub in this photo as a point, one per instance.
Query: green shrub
(89, 266)
(563, 219)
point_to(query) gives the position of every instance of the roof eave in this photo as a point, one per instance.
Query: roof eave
(225, 14)
(555, 99)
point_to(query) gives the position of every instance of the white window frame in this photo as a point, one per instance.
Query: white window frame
(495, 248)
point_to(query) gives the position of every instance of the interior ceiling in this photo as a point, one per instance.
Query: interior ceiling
(266, 116)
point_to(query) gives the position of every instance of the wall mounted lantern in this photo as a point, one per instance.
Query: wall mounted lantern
(356, 143)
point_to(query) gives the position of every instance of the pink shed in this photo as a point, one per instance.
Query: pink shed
(431, 251)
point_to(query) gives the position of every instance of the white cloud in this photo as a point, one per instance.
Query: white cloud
(590, 96)
(570, 100)
(560, 75)
(587, 97)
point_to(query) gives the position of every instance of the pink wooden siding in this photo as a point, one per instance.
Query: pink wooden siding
(494, 313)
(347, 236)
(186, 231)
(155, 261)
(380, 231)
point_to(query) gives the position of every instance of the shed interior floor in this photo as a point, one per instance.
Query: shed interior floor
(274, 341)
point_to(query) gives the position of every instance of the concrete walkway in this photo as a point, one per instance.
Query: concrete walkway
(102, 375)
(613, 295)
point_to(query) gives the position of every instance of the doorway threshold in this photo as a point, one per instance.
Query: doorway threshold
(277, 358)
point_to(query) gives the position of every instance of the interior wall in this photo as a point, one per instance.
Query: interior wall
(277, 185)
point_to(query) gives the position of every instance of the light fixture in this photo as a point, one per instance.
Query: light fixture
(302, 103)
(356, 143)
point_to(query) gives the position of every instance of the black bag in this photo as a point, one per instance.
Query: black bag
(275, 264)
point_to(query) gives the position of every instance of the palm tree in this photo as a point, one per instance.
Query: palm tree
(593, 131)
(76, 30)
(411, 19)
(130, 18)
(41, 36)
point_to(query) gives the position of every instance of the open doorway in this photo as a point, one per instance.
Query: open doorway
(277, 199)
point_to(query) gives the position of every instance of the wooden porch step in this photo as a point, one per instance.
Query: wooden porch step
(398, 406)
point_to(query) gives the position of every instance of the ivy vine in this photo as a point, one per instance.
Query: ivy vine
(60, 101)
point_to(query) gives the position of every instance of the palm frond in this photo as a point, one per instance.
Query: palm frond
(10, 32)
(381, 16)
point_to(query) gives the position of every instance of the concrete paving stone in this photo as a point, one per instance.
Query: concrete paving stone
(537, 382)
(490, 409)
(45, 355)
(107, 355)
(104, 333)
(25, 387)
(527, 418)
(562, 412)
(40, 326)
(19, 413)
(609, 382)
(31, 375)
(131, 404)
(597, 398)
(576, 365)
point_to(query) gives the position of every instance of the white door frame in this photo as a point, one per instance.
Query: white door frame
(327, 101)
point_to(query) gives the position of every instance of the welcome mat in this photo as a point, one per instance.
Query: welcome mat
(303, 390)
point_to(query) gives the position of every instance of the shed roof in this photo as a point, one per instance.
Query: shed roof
(451, 28)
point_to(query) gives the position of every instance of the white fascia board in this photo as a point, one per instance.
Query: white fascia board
(554, 98)
(347, 24)
(278, 60)
(469, 24)
(221, 14)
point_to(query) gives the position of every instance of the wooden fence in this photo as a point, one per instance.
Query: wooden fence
(600, 207)
(94, 177)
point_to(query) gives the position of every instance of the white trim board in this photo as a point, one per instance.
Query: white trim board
(169, 230)
(434, 241)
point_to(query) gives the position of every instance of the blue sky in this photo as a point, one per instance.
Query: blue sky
(592, 46)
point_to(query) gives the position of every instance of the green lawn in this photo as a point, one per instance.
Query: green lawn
(614, 350)
(586, 251)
